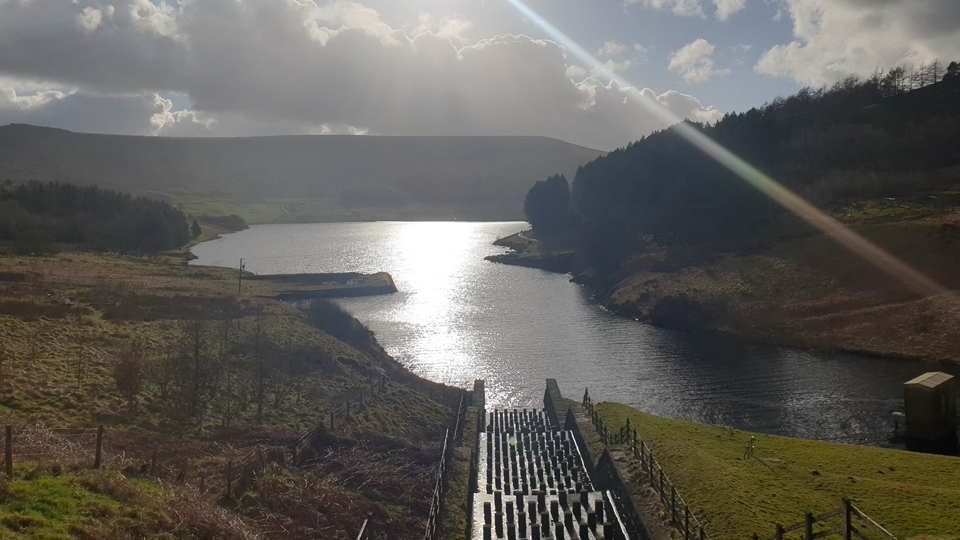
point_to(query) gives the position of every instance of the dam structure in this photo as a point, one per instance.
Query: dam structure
(532, 481)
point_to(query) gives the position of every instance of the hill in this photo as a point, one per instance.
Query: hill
(225, 415)
(300, 178)
(670, 236)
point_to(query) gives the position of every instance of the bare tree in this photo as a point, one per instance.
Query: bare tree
(163, 370)
(129, 371)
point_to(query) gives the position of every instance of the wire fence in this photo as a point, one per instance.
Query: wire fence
(37, 444)
(681, 516)
(450, 441)
(847, 521)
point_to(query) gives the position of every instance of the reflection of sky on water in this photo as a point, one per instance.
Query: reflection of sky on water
(458, 318)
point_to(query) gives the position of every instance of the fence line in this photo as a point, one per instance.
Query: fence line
(436, 503)
(53, 442)
(343, 410)
(680, 515)
(847, 528)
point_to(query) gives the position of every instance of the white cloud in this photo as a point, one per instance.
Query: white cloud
(611, 48)
(726, 8)
(173, 122)
(610, 67)
(838, 38)
(258, 67)
(89, 19)
(575, 72)
(10, 100)
(693, 62)
(692, 8)
(453, 27)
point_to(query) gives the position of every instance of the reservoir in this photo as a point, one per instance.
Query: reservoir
(458, 318)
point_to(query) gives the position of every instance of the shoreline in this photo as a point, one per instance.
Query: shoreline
(697, 299)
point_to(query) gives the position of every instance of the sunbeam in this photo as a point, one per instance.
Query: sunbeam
(859, 245)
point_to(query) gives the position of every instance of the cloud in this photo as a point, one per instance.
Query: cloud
(576, 72)
(263, 67)
(692, 8)
(693, 62)
(90, 19)
(453, 27)
(611, 48)
(610, 67)
(838, 38)
(726, 8)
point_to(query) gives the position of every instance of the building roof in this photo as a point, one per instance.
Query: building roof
(930, 379)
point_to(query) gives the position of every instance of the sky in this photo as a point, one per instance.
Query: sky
(440, 67)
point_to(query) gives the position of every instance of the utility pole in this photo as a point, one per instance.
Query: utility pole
(240, 276)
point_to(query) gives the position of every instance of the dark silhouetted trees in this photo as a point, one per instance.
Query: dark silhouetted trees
(824, 144)
(547, 206)
(35, 215)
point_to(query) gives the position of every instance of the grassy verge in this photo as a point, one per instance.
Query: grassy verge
(53, 504)
(911, 494)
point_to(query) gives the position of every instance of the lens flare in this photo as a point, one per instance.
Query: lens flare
(859, 245)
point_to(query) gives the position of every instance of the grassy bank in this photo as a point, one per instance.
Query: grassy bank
(222, 378)
(912, 495)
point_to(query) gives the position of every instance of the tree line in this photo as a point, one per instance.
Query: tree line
(35, 215)
(856, 138)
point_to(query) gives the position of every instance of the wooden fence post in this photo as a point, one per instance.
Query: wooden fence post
(153, 461)
(348, 408)
(847, 525)
(808, 527)
(673, 504)
(97, 460)
(8, 454)
(779, 532)
(663, 496)
(686, 522)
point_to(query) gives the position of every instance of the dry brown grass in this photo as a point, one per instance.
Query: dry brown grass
(381, 461)
(809, 291)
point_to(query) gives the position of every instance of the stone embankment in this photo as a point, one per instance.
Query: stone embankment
(289, 287)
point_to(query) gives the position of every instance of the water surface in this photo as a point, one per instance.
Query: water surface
(458, 318)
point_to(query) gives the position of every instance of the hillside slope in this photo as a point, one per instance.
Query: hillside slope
(413, 177)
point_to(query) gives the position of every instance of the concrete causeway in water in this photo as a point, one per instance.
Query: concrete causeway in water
(532, 482)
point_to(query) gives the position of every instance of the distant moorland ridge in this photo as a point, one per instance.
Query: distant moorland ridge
(431, 177)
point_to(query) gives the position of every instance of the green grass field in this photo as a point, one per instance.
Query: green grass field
(911, 494)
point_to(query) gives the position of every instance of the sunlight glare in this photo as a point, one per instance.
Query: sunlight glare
(859, 245)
